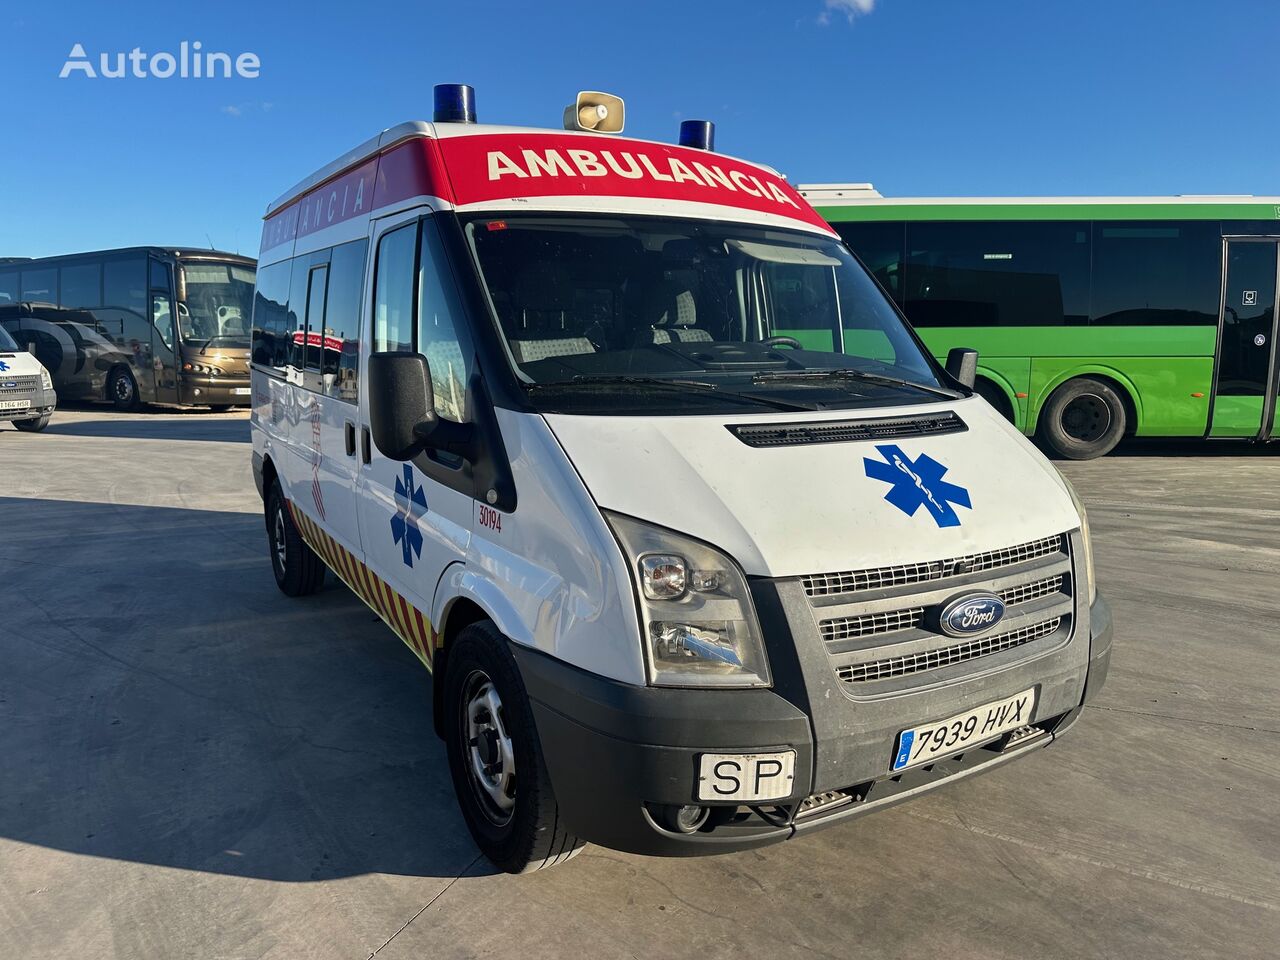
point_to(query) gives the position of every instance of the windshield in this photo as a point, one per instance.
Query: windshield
(219, 303)
(6, 341)
(604, 311)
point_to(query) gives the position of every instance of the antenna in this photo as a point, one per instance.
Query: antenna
(210, 239)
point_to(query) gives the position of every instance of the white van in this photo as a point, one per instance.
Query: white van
(27, 397)
(703, 548)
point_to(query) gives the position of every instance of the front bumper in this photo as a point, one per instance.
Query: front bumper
(40, 401)
(215, 391)
(616, 753)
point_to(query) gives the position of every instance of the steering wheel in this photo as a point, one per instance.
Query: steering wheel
(791, 342)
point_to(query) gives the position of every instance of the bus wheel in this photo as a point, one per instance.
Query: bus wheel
(34, 425)
(219, 407)
(495, 757)
(299, 572)
(122, 389)
(1083, 419)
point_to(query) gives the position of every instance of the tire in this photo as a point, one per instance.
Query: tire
(122, 389)
(1083, 419)
(34, 425)
(219, 407)
(299, 572)
(488, 718)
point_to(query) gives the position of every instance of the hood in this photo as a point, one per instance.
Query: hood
(18, 362)
(785, 511)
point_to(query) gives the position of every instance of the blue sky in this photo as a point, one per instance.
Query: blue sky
(922, 97)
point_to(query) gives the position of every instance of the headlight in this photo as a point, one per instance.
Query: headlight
(1087, 548)
(700, 627)
(45, 380)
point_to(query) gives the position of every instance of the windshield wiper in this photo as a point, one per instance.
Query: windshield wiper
(233, 338)
(669, 383)
(849, 373)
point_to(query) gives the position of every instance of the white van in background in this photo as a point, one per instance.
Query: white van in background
(703, 548)
(27, 397)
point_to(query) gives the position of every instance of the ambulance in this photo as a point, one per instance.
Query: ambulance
(704, 550)
(27, 397)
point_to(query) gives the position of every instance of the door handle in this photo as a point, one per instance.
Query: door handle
(366, 445)
(349, 433)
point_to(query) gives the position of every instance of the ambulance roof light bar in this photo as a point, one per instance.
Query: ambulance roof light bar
(455, 103)
(595, 111)
(699, 134)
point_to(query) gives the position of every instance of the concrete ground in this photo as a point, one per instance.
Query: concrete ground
(192, 765)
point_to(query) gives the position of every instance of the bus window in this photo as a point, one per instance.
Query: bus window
(40, 285)
(997, 274)
(80, 286)
(1156, 273)
(124, 285)
(879, 246)
(8, 286)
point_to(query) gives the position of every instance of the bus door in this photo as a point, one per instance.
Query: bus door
(164, 335)
(1244, 397)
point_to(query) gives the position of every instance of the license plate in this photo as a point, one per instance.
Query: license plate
(14, 404)
(240, 391)
(933, 740)
(746, 777)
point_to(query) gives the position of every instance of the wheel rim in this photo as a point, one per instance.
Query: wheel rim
(278, 541)
(1086, 418)
(124, 388)
(491, 768)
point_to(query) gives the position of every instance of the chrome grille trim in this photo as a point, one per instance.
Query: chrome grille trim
(876, 578)
(946, 656)
(26, 383)
(871, 624)
(1027, 592)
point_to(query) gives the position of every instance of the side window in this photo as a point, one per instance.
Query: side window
(1156, 273)
(393, 303)
(997, 274)
(270, 315)
(317, 336)
(879, 246)
(161, 303)
(342, 320)
(439, 318)
(8, 286)
(124, 286)
(81, 286)
(299, 286)
(40, 285)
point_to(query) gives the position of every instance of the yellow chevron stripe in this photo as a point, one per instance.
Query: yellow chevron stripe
(392, 608)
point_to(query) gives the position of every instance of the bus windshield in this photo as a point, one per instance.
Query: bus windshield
(720, 310)
(219, 303)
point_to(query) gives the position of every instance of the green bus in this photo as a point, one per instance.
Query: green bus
(1094, 318)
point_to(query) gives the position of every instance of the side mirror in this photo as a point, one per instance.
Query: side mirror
(962, 366)
(180, 284)
(31, 347)
(401, 404)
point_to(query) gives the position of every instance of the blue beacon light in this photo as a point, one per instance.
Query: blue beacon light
(699, 134)
(454, 103)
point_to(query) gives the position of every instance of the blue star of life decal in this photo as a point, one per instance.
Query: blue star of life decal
(917, 483)
(404, 525)
(3, 366)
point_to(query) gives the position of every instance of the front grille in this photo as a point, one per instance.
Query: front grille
(1027, 592)
(906, 574)
(848, 431)
(871, 624)
(946, 656)
(26, 383)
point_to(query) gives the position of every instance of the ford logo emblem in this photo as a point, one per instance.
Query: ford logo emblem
(10, 385)
(971, 613)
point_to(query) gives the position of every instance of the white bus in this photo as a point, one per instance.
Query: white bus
(703, 549)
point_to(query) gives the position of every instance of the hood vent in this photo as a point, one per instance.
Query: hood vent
(848, 431)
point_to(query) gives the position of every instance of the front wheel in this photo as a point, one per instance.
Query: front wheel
(122, 389)
(299, 572)
(34, 425)
(495, 757)
(1083, 419)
